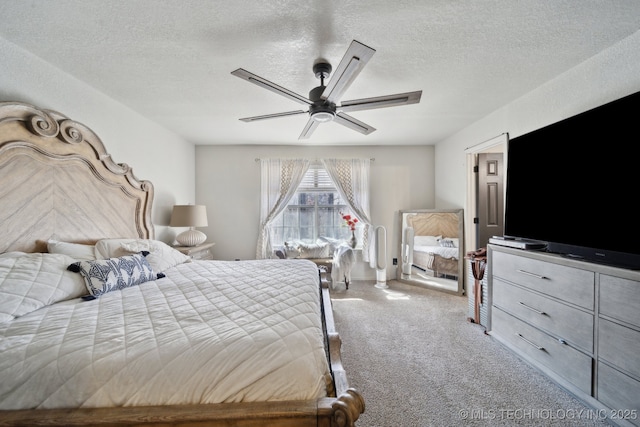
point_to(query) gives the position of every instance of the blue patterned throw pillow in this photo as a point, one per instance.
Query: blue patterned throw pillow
(446, 243)
(106, 275)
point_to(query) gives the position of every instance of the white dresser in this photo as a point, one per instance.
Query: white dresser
(577, 322)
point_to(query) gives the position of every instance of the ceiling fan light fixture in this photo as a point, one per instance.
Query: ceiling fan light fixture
(323, 116)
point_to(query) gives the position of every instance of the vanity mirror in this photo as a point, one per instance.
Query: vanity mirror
(430, 249)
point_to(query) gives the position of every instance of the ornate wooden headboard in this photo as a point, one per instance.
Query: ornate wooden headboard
(57, 181)
(445, 224)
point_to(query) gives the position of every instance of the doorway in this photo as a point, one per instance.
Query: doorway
(486, 166)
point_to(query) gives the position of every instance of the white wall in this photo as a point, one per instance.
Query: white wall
(154, 153)
(228, 183)
(605, 77)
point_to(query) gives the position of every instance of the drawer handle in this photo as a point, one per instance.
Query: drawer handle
(532, 309)
(533, 274)
(529, 342)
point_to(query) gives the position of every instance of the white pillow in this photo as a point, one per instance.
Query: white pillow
(31, 281)
(426, 240)
(161, 256)
(111, 248)
(314, 250)
(74, 250)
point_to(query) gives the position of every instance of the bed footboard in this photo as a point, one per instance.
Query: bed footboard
(349, 404)
(445, 266)
(326, 412)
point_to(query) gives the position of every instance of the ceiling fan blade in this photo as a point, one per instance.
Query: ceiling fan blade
(273, 116)
(381, 101)
(352, 63)
(308, 129)
(257, 80)
(352, 123)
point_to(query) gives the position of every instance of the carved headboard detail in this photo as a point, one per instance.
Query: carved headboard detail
(443, 224)
(57, 181)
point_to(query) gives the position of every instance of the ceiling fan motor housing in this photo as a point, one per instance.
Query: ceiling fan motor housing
(321, 110)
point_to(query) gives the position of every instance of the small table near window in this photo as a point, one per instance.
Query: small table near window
(199, 252)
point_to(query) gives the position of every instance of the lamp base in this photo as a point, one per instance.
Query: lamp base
(191, 238)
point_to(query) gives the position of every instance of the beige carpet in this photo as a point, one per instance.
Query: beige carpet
(418, 361)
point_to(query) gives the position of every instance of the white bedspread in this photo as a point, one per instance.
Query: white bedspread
(210, 332)
(444, 252)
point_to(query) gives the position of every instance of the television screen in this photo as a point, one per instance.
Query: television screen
(575, 185)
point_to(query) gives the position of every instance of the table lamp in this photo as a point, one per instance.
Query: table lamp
(189, 216)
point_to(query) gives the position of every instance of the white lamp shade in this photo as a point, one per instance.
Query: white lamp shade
(189, 216)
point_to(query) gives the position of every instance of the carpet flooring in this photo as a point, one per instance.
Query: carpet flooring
(418, 361)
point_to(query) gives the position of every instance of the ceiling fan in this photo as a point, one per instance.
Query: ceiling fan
(324, 101)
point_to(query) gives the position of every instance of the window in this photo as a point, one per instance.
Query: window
(314, 211)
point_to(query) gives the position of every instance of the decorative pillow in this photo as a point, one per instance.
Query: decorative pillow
(314, 250)
(280, 252)
(31, 281)
(446, 243)
(74, 250)
(106, 275)
(426, 240)
(449, 242)
(291, 249)
(161, 256)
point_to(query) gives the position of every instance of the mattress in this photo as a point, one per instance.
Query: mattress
(208, 332)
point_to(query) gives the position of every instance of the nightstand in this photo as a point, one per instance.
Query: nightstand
(202, 251)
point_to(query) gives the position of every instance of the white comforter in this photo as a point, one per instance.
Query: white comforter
(210, 332)
(444, 252)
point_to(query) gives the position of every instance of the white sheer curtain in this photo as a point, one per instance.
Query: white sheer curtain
(279, 182)
(351, 177)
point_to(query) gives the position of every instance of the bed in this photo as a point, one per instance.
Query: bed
(436, 243)
(101, 324)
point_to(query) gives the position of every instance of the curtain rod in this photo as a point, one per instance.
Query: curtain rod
(373, 159)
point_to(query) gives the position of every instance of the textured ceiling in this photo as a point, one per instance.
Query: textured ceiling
(171, 60)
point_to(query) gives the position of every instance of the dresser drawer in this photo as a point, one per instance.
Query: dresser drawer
(620, 299)
(544, 350)
(619, 346)
(566, 283)
(569, 323)
(619, 392)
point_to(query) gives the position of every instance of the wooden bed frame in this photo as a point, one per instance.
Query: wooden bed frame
(57, 181)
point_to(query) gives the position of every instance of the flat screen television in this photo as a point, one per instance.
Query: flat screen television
(575, 185)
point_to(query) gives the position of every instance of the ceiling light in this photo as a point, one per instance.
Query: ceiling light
(323, 116)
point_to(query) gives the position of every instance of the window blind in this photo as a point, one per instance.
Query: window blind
(316, 179)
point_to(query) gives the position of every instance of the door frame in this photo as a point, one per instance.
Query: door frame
(497, 144)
